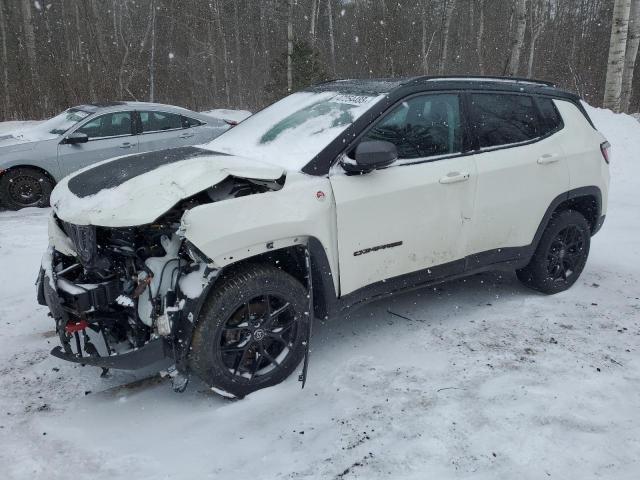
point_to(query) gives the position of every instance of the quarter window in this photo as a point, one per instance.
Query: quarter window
(188, 122)
(503, 119)
(551, 119)
(159, 121)
(110, 125)
(423, 126)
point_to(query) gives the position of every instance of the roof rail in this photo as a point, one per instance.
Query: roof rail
(489, 79)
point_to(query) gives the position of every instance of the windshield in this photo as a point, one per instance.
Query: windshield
(63, 122)
(291, 132)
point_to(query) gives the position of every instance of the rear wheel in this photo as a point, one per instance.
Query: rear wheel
(25, 187)
(251, 330)
(561, 254)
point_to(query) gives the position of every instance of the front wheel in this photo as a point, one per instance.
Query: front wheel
(561, 254)
(251, 330)
(25, 187)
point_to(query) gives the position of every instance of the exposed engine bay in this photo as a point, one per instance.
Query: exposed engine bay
(115, 291)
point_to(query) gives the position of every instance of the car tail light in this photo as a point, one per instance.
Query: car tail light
(605, 148)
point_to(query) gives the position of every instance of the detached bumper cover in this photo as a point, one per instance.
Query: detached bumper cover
(152, 352)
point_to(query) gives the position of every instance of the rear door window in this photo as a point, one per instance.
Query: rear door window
(115, 124)
(422, 126)
(159, 121)
(503, 119)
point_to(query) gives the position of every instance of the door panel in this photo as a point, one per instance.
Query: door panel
(109, 136)
(412, 215)
(401, 219)
(515, 184)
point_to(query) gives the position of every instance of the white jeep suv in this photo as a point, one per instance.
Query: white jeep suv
(216, 258)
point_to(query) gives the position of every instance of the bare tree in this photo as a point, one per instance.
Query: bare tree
(537, 20)
(517, 42)
(290, 48)
(617, 50)
(332, 39)
(446, 25)
(480, 36)
(152, 56)
(5, 61)
(633, 40)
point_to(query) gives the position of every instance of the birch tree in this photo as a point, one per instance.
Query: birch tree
(617, 50)
(633, 40)
(517, 42)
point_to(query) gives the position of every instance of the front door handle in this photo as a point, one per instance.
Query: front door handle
(454, 177)
(127, 145)
(186, 135)
(548, 158)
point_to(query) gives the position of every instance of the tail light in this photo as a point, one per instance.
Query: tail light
(605, 148)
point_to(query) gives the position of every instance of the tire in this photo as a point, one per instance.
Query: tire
(237, 346)
(560, 255)
(25, 187)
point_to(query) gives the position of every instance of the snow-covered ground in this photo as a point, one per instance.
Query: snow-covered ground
(480, 378)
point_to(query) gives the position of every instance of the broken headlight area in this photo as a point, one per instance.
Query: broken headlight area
(123, 299)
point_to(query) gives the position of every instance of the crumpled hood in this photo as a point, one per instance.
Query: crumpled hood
(137, 189)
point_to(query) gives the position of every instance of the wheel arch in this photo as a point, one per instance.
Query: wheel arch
(585, 200)
(291, 259)
(48, 174)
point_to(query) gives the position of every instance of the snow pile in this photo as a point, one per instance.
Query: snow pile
(478, 378)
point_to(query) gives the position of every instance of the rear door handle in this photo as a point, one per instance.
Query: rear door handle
(454, 177)
(186, 135)
(126, 145)
(548, 158)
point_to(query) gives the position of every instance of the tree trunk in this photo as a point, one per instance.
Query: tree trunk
(480, 36)
(448, 13)
(290, 48)
(30, 43)
(520, 18)
(633, 40)
(332, 40)
(225, 53)
(617, 49)
(314, 19)
(152, 55)
(5, 64)
(239, 80)
(536, 25)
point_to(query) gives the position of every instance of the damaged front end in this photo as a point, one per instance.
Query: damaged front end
(123, 298)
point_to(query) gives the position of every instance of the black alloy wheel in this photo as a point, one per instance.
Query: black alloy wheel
(560, 255)
(565, 254)
(258, 336)
(251, 331)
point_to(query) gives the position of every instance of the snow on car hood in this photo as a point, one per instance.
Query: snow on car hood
(137, 189)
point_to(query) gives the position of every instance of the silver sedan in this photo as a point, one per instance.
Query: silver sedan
(32, 161)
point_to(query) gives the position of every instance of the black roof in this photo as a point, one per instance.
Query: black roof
(378, 86)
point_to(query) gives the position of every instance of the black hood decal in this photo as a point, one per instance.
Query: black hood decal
(116, 172)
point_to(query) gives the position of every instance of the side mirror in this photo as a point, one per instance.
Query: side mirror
(76, 137)
(371, 155)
